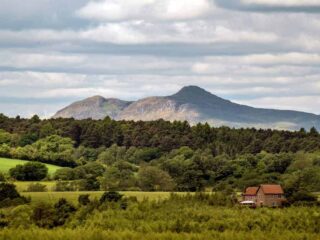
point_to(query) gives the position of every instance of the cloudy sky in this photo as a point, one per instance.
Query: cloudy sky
(264, 53)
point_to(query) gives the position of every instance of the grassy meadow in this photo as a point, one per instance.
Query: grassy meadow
(53, 197)
(22, 186)
(6, 164)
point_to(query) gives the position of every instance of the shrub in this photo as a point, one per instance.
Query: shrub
(2, 178)
(43, 215)
(64, 174)
(88, 184)
(110, 197)
(9, 196)
(303, 196)
(8, 190)
(20, 216)
(31, 171)
(63, 210)
(66, 186)
(37, 187)
(83, 199)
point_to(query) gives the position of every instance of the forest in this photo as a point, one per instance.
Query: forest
(162, 156)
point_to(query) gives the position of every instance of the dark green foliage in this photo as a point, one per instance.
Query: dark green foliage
(88, 184)
(108, 154)
(2, 177)
(27, 139)
(64, 174)
(83, 199)
(9, 196)
(154, 179)
(8, 190)
(303, 196)
(63, 210)
(110, 197)
(43, 215)
(164, 136)
(31, 171)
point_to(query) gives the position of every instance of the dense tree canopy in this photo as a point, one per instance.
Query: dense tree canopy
(159, 155)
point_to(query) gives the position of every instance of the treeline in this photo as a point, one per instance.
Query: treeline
(162, 135)
(163, 156)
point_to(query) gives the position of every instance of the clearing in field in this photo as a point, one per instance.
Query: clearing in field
(6, 164)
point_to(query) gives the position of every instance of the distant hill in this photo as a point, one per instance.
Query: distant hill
(193, 104)
(96, 107)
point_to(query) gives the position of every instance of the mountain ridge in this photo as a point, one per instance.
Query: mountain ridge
(192, 104)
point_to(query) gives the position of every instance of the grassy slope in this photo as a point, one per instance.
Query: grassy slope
(6, 164)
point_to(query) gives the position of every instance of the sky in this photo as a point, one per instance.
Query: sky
(263, 53)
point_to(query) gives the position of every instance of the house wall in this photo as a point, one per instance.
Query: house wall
(268, 200)
(249, 198)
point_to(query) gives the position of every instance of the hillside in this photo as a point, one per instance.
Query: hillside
(193, 104)
(95, 107)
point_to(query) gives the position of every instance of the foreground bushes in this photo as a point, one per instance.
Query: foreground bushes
(96, 234)
(198, 216)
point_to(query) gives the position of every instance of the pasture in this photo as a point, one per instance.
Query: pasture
(23, 186)
(53, 197)
(6, 164)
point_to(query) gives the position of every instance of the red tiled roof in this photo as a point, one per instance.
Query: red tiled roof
(251, 191)
(271, 189)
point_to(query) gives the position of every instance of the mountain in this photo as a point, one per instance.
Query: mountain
(96, 107)
(193, 104)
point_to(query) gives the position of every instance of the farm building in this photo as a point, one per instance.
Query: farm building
(269, 195)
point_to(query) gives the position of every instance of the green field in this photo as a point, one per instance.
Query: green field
(53, 197)
(23, 186)
(6, 164)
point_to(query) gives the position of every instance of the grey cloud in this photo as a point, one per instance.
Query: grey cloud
(50, 56)
(264, 6)
(57, 14)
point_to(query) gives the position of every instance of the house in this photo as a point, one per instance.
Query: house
(269, 195)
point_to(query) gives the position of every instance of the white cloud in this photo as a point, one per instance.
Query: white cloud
(29, 60)
(141, 32)
(118, 10)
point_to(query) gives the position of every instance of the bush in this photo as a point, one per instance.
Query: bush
(20, 217)
(2, 178)
(37, 187)
(31, 171)
(88, 184)
(9, 196)
(63, 210)
(83, 199)
(303, 196)
(66, 186)
(64, 174)
(110, 197)
(8, 190)
(43, 215)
